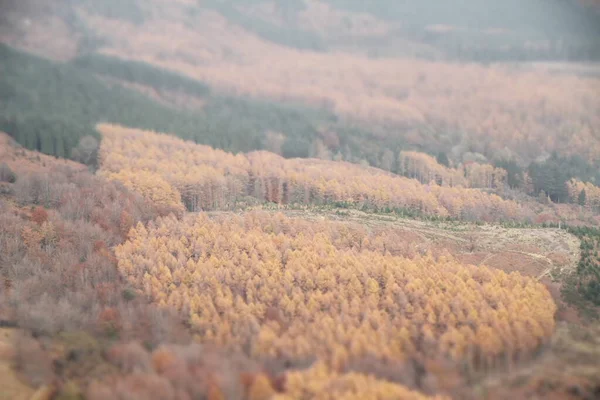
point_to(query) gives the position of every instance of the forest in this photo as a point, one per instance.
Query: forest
(566, 32)
(424, 102)
(588, 268)
(198, 274)
(122, 323)
(139, 95)
(420, 117)
(197, 177)
(299, 199)
(50, 107)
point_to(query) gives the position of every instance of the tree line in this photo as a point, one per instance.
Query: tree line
(50, 107)
(588, 267)
(208, 179)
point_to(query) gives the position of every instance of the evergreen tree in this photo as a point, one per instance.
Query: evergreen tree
(442, 159)
(551, 177)
(581, 198)
(513, 171)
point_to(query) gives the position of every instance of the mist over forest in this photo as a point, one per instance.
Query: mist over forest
(299, 199)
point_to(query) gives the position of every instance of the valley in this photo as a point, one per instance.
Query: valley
(299, 199)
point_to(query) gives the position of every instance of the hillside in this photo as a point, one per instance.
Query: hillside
(299, 199)
(410, 95)
(198, 178)
(369, 103)
(166, 272)
(549, 255)
(201, 178)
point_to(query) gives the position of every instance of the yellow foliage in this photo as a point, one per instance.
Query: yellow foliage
(426, 169)
(261, 388)
(485, 176)
(496, 106)
(152, 186)
(328, 294)
(207, 179)
(592, 193)
(320, 383)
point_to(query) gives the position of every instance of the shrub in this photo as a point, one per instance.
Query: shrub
(7, 174)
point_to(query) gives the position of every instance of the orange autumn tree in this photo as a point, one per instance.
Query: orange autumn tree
(494, 106)
(485, 176)
(322, 384)
(152, 187)
(426, 169)
(584, 193)
(274, 286)
(209, 179)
